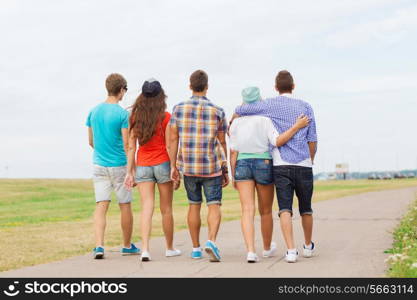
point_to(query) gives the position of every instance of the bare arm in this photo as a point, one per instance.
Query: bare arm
(90, 137)
(168, 146)
(235, 116)
(221, 135)
(173, 151)
(131, 150)
(313, 149)
(130, 153)
(282, 139)
(233, 159)
(167, 137)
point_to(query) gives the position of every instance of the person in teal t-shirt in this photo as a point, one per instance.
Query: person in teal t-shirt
(108, 135)
(106, 121)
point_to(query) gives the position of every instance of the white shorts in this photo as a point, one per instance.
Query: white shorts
(108, 179)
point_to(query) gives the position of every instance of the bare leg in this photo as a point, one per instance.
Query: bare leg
(286, 228)
(126, 221)
(307, 222)
(213, 220)
(100, 221)
(165, 198)
(265, 201)
(194, 223)
(147, 196)
(247, 200)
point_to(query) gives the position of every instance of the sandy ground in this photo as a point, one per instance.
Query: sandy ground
(350, 233)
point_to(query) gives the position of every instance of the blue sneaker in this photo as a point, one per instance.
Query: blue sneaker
(129, 251)
(213, 251)
(98, 252)
(197, 254)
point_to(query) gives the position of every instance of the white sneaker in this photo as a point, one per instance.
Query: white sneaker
(252, 257)
(271, 252)
(171, 253)
(145, 256)
(291, 257)
(308, 252)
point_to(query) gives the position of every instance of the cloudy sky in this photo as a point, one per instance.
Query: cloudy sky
(354, 61)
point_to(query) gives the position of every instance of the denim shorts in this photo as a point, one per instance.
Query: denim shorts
(290, 179)
(258, 170)
(212, 187)
(109, 179)
(159, 173)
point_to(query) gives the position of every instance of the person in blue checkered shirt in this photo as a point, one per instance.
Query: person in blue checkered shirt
(293, 161)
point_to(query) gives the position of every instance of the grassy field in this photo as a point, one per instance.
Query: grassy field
(403, 259)
(45, 220)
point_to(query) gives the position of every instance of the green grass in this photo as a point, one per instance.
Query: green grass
(38, 214)
(403, 259)
(24, 202)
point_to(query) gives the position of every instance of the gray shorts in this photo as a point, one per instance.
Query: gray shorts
(108, 179)
(159, 173)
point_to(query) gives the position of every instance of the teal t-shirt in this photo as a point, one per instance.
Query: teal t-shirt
(265, 155)
(107, 121)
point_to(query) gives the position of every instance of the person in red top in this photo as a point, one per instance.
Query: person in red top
(148, 127)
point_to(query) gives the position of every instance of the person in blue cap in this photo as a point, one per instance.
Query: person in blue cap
(251, 164)
(149, 167)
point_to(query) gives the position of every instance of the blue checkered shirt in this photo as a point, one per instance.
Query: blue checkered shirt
(283, 112)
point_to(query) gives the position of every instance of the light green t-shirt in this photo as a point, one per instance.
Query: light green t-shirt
(265, 155)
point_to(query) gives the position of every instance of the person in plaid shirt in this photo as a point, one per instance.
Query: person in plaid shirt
(198, 150)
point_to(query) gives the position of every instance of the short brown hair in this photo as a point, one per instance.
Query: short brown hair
(198, 81)
(115, 83)
(284, 81)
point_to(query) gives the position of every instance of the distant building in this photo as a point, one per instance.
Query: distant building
(342, 169)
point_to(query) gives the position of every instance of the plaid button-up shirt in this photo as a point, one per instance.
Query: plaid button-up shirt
(199, 121)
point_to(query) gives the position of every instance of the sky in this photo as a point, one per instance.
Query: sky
(353, 61)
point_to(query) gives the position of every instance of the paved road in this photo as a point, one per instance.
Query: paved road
(351, 234)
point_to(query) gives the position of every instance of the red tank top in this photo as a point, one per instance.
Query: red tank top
(154, 152)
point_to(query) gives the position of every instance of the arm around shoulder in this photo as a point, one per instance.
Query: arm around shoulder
(257, 108)
(283, 138)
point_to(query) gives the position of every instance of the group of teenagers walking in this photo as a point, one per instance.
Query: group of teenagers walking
(272, 142)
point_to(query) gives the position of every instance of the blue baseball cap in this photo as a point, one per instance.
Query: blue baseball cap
(151, 87)
(251, 94)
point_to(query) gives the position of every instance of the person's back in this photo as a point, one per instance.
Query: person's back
(252, 135)
(106, 121)
(251, 165)
(198, 121)
(148, 129)
(107, 133)
(198, 128)
(154, 152)
(284, 109)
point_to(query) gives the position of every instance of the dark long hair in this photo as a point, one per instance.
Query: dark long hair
(147, 114)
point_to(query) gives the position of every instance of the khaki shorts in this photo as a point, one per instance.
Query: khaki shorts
(108, 179)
